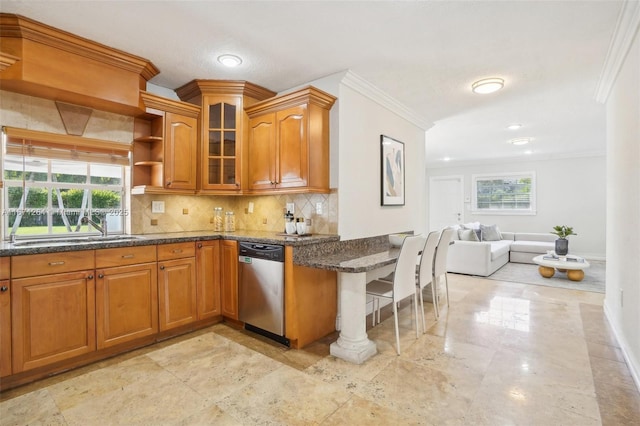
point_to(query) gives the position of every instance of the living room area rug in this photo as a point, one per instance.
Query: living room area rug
(594, 276)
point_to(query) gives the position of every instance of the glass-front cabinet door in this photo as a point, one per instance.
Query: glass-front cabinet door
(221, 152)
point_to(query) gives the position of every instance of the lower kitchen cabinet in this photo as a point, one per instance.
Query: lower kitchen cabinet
(229, 278)
(208, 279)
(176, 285)
(53, 318)
(126, 296)
(5, 318)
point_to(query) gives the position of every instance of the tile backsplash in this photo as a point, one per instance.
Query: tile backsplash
(195, 212)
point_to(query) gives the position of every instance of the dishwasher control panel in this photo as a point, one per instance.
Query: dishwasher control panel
(247, 251)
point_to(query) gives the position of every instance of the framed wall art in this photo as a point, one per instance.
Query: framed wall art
(392, 165)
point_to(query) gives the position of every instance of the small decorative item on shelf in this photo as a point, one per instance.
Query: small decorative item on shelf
(217, 219)
(229, 222)
(562, 244)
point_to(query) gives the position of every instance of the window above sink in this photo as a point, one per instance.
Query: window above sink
(50, 182)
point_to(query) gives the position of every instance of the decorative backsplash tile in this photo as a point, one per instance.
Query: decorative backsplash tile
(195, 212)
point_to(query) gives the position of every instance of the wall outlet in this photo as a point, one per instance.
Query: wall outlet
(264, 220)
(157, 207)
(250, 208)
(185, 211)
(154, 222)
(291, 207)
(318, 208)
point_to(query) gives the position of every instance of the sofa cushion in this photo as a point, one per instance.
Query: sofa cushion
(490, 233)
(521, 236)
(477, 230)
(468, 235)
(532, 246)
(499, 248)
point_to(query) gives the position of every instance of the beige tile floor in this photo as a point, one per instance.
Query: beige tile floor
(501, 354)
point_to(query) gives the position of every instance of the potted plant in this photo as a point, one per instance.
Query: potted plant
(562, 244)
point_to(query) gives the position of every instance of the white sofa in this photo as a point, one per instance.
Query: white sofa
(483, 258)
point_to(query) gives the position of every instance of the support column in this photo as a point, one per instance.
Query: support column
(353, 345)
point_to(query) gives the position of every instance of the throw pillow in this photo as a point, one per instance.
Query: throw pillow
(477, 230)
(490, 233)
(468, 235)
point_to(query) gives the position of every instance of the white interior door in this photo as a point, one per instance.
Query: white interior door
(446, 201)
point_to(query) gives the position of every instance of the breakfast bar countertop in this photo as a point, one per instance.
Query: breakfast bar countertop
(353, 261)
(54, 245)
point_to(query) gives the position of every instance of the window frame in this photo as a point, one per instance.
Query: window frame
(475, 178)
(57, 151)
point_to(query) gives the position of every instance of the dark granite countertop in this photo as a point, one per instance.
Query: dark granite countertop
(315, 251)
(353, 261)
(8, 249)
(359, 255)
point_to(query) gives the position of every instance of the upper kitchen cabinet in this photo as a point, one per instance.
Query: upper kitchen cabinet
(223, 130)
(165, 146)
(288, 143)
(42, 61)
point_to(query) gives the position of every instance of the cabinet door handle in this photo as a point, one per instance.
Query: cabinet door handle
(162, 268)
(61, 262)
(199, 245)
(90, 277)
(169, 183)
(127, 256)
(176, 251)
(4, 288)
(100, 275)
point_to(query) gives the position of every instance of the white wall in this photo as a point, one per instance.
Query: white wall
(622, 302)
(362, 121)
(361, 114)
(569, 191)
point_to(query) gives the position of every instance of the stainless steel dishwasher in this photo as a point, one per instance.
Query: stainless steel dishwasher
(261, 289)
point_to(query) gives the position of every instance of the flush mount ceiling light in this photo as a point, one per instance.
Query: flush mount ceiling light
(487, 85)
(514, 126)
(229, 60)
(519, 141)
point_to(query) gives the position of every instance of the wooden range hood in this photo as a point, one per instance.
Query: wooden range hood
(42, 61)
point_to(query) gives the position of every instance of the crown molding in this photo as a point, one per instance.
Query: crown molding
(367, 89)
(621, 42)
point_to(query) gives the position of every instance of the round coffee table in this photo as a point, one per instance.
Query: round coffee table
(574, 268)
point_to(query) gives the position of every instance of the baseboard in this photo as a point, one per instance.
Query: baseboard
(634, 368)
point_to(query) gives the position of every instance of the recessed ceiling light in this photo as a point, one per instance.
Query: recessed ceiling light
(519, 141)
(229, 60)
(514, 126)
(446, 159)
(487, 85)
(528, 152)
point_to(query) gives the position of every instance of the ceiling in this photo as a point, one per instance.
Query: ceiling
(424, 54)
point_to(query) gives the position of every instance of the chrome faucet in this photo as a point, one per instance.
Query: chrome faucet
(102, 227)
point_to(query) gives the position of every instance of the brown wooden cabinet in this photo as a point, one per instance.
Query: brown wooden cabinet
(176, 285)
(126, 294)
(52, 314)
(208, 279)
(288, 143)
(229, 278)
(223, 127)
(5, 317)
(165, 146)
